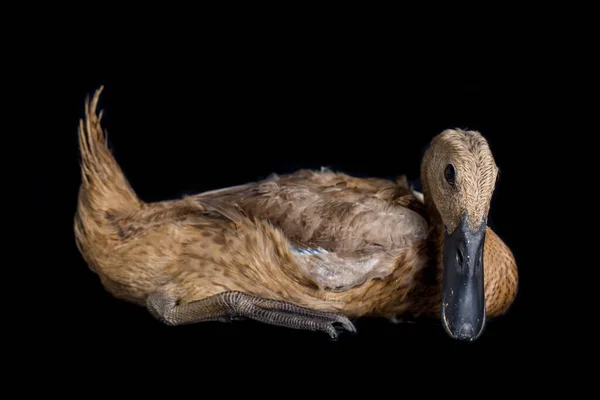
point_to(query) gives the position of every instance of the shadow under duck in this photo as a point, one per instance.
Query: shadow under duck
(309, 250)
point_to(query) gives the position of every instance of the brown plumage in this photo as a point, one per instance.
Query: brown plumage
(304, 250)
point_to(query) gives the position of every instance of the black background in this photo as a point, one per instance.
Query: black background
(208, 115)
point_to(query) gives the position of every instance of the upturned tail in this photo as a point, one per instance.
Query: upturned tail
(104, 194)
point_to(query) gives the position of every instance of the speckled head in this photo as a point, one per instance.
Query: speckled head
(459, 176)
(460, 172)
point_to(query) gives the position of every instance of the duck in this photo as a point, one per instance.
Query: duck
(310, 250)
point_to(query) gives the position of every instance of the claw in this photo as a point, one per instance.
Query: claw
(347, 324)
(334, 329)
(333, 333)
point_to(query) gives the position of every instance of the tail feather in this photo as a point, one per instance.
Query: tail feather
(103, 186)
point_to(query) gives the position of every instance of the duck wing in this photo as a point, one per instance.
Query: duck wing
(342, 230)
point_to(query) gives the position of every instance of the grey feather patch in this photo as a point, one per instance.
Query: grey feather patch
(334, 272)
(309, 251)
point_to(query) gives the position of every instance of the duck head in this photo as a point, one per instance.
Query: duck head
(459, 175)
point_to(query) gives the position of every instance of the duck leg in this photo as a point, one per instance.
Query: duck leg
(237, 305)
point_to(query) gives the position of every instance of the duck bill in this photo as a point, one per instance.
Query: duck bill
(463, 300)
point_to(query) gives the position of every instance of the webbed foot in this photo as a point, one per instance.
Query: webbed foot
(233, 305)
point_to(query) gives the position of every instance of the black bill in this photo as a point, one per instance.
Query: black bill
(463, 300)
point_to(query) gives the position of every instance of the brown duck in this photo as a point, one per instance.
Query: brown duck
(307, 250)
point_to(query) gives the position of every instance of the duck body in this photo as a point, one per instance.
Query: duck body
(309, 250)
(367, 242)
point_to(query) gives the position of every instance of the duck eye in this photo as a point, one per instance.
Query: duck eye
(450, 174)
